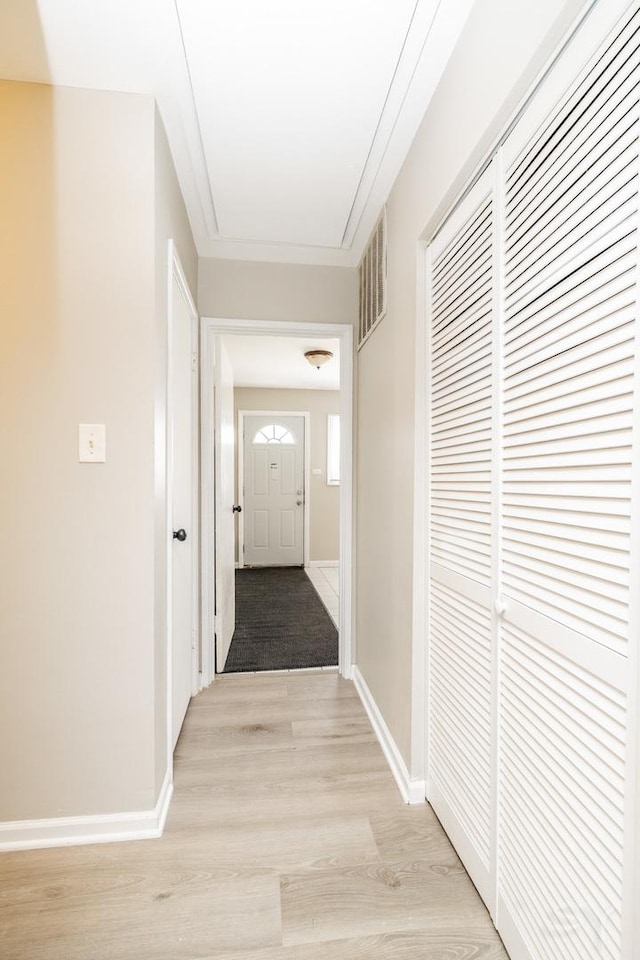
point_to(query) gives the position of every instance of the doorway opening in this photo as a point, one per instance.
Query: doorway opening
(288, 484)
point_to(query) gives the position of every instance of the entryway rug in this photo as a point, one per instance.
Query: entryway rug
(281, 623)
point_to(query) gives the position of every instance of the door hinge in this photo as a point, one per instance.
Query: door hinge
(194, 363)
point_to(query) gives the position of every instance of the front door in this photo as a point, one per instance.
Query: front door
(274, 490)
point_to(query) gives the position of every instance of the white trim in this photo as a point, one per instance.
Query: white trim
(510, 933)
(412, 790)
(497, 477)
(323, 563)
(422, 481)
(100, 828)
(211, 327)
(631, 865)
(420, 593)
(306, 534)
(207, 509)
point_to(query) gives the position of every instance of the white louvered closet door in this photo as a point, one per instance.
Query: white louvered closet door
(570, 325)
(461, 306)
(534, 511)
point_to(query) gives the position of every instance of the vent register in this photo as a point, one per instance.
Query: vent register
(373, 282)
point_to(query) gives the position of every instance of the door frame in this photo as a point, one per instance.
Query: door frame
(209, 328)
(175, 271)
(306, 529)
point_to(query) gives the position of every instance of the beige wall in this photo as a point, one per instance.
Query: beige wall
(235, 289)
(80, 218)
(503, 46)
(324, 501)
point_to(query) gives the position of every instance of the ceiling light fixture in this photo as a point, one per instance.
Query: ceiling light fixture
(317, 358)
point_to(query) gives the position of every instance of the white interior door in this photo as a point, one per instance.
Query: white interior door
(224, 454)
(274, 492)
(181, 465)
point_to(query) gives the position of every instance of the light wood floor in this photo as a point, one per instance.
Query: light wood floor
(286, 840)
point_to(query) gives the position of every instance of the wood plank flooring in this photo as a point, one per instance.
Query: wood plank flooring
(286, 840)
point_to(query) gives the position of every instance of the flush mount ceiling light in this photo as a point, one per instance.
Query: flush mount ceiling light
(317, 358)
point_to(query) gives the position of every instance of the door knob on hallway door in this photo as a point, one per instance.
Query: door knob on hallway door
(237, 509)
(180, 535)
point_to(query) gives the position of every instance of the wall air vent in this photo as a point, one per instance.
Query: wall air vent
(373, 282)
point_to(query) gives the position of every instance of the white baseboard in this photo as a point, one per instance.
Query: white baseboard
(323, 563)
(101, 828)
(413, 791)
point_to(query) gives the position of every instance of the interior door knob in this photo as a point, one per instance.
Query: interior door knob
(180, 534)
(237, 509)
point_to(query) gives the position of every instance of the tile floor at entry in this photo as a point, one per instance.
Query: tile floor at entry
(286, 840)
(326, 580)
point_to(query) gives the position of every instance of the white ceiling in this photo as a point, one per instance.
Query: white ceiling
(280, 362)
(288, 121)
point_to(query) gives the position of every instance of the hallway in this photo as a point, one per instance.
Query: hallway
(286, 840)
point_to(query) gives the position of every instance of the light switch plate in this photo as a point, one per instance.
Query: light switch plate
(92, 443)
(317, 472)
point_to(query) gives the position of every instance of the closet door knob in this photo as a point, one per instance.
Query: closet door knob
(180, 535)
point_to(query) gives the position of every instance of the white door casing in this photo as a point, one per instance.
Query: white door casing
(210, 329)
(224, 457)
(273, 485)
(182, 469)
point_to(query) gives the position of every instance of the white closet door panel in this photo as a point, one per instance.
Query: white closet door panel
(566, 285)
(569, 379)
(583, 175)
(576, 378)
(564, 98)
(461, 725)
(457, 260)
(460, 383)
(612, 295)
(461, 729)
(613, 320)
(562, 796)
(583, 217)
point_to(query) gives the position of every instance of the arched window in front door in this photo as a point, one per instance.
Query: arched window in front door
(273, 433)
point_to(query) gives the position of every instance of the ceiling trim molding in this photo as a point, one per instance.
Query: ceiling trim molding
(277, 253)
(433, 31)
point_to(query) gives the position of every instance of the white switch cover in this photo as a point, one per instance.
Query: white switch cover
(317, 472)
(92, 443)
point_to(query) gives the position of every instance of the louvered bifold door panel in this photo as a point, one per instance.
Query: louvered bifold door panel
(570, 319)
(460, 516)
